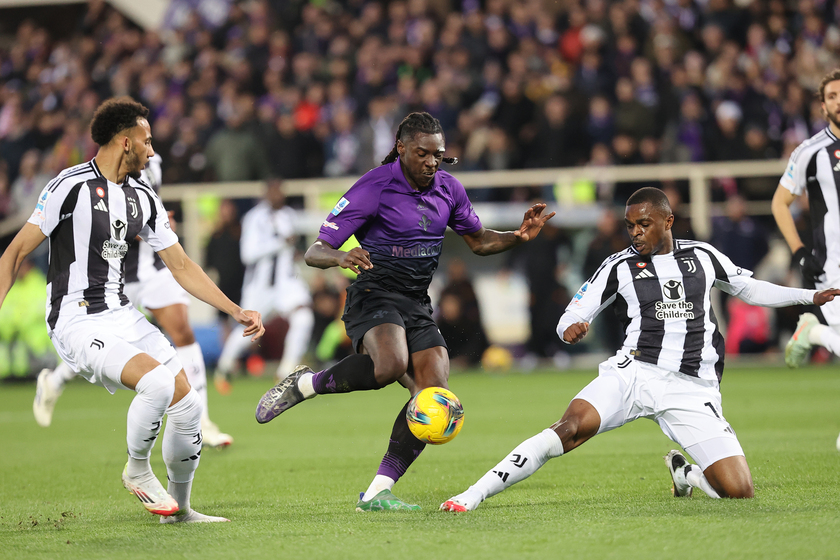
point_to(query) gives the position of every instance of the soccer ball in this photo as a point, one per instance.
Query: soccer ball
(435, 415)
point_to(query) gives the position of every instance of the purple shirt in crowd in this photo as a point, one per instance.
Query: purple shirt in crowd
(401, 228)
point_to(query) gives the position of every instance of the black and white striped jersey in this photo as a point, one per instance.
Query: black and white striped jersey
(814, 166)
(89, 221)
(664, 305)
(141, 261)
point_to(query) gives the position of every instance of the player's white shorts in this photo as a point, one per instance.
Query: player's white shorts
(686, 408)
(831, 310)
(98, 346)
(156, 291)
(283, 298)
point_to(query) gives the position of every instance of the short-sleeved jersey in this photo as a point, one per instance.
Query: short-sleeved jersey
(401, 228)
(89, 222)
(664, 304)
(814, 166)
(142, 262)
(265, 247)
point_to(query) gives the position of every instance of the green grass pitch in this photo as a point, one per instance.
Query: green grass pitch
(290, 486)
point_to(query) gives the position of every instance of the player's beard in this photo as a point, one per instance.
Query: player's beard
(132, 162)
(833, 117)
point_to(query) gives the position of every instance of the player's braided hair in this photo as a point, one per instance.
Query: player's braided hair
(654, 196)
(113, 116)
(416, 123)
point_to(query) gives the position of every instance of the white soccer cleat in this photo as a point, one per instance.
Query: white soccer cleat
(150, 492)
(798, 347)
(676, 462)
(192, 516)
(45, 399)
(211, 436)
(838, 443)
(460, 503)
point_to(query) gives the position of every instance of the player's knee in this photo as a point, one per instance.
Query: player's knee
(739, 490)
(390, 369)
(157, 385)
(186, 413)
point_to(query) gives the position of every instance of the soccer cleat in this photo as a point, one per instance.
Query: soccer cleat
(384, 501)
(453, 505)
(212, 436)
(192, 516)
(838, 443)
(799, 346)
(151, 493)
(45, 399)
(222, 384)
(675, 462)
(465, 501)
(281, 397)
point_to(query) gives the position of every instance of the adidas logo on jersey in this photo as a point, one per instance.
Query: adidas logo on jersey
(101, 206)
(645, 273)
(837, 166)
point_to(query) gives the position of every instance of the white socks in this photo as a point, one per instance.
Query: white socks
(695, 477)
(182, 439)
(301, 321)
(60, 376)
(145, 414)
(520, 463)
(193, 361)
(380, 483)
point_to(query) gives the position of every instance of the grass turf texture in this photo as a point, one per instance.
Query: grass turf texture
(290, 487)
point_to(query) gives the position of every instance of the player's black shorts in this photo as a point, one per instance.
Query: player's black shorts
(366, 308)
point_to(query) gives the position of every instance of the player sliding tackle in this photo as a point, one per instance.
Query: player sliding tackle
(670, 365)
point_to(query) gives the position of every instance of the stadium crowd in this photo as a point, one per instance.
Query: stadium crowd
(268, 88)
(309, 89)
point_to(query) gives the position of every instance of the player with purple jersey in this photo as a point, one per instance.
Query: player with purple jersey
(399, 213)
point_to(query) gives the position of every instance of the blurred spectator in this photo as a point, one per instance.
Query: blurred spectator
(738, 236)
(700, 80)
(292, 153)
(342, 147)
(726, 141)
(560, 140)
(7, 205)
(234, 152)
(29, 183)
(376, 132)
(222, 253)
(459, 317)
(682, 224)
(540, 260)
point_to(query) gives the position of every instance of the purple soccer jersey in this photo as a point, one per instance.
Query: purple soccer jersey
(401, 228)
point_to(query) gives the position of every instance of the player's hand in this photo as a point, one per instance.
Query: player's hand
(354, 259)
(575, 332)
(824, 296)
(808, 265)
(252, 320)
(533, 222)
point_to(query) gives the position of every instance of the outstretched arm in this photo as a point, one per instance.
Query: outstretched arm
(782, 199)
(322, 255)
(767, 294)
(26, 241)
(489, 242)
(193, 279)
